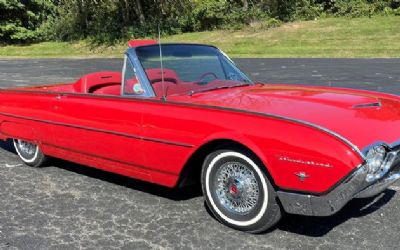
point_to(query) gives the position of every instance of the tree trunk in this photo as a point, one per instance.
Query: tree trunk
(125, 10)
(140, 11)
(82, 17)
(245, 5)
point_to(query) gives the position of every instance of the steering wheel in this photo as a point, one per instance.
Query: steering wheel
(200, 80)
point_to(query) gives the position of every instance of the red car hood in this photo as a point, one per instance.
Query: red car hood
(361, 117)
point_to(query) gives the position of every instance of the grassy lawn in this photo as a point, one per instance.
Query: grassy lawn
(331, 37)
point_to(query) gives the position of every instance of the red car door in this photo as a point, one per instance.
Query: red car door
(176, 131)
(100, 127)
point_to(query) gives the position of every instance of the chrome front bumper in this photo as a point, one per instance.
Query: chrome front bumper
(354, 186)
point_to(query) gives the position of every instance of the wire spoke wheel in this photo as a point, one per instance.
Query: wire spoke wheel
(237, 187)
(238, 192)
(26, 148)
(29, 153)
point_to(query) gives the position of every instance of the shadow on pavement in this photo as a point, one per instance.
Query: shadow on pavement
(304, 225)
(177, 194)
(320, 226)
(7, 145)
(184, 193)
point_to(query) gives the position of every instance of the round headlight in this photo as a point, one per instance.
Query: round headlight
(375, 158)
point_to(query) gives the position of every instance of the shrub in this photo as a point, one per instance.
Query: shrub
(110, 21)
(20, 20)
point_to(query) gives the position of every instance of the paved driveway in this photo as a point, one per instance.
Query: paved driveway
(68, 206)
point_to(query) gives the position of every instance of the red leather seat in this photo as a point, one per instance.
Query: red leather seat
(109, 90)
(94, 81)
(156, 75)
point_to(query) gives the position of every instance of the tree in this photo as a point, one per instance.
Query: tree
(20, 20)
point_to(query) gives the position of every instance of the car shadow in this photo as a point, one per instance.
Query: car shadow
(320, 226)
(178, 194)
(7, 146)
(304, 225)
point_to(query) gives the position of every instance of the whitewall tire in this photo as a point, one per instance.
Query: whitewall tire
(238, 192)
(29, 153)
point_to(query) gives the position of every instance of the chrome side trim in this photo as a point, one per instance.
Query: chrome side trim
(132, 136)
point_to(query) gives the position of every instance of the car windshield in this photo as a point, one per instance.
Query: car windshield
(188, 69)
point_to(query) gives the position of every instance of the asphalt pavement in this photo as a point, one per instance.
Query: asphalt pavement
(68, 206)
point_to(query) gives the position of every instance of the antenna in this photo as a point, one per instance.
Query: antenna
(161, 65)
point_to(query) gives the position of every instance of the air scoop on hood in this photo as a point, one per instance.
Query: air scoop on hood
(376, 104)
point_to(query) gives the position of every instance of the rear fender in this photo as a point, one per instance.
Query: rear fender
(17, 130)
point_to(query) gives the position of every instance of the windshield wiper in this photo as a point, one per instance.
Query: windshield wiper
(192, 92)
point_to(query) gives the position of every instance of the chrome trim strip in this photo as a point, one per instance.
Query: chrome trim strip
(123, 74)
(309, 124)
(102, 131)
(327, 131)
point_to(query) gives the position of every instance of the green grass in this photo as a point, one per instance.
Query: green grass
(330, 37)
(60, 49)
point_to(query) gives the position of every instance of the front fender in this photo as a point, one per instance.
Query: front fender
(297, 157)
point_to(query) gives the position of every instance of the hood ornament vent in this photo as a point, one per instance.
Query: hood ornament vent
(368, 105)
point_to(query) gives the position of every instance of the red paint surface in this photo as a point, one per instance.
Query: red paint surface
(142, 42)
(150, 139)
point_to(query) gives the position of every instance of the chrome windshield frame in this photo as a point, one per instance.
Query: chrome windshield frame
(233, 64)
(131, 56)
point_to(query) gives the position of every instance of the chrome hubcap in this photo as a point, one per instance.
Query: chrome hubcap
(237, 187)
(26, 147)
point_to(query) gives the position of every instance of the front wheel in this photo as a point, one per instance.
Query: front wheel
(29, 153)
(238, 192)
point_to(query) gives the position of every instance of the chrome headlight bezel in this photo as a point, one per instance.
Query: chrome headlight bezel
(374, 160)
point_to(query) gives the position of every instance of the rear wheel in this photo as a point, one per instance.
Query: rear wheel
(29, 153)
(238, 191)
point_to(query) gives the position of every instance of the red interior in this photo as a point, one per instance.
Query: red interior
(109, 83)
(95, 81)
(108, 90)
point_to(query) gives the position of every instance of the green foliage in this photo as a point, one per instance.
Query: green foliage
(290, 10)
(111, 21)
(359, 8)
(20, 20)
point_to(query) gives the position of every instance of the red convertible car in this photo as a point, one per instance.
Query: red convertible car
(181, 113)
